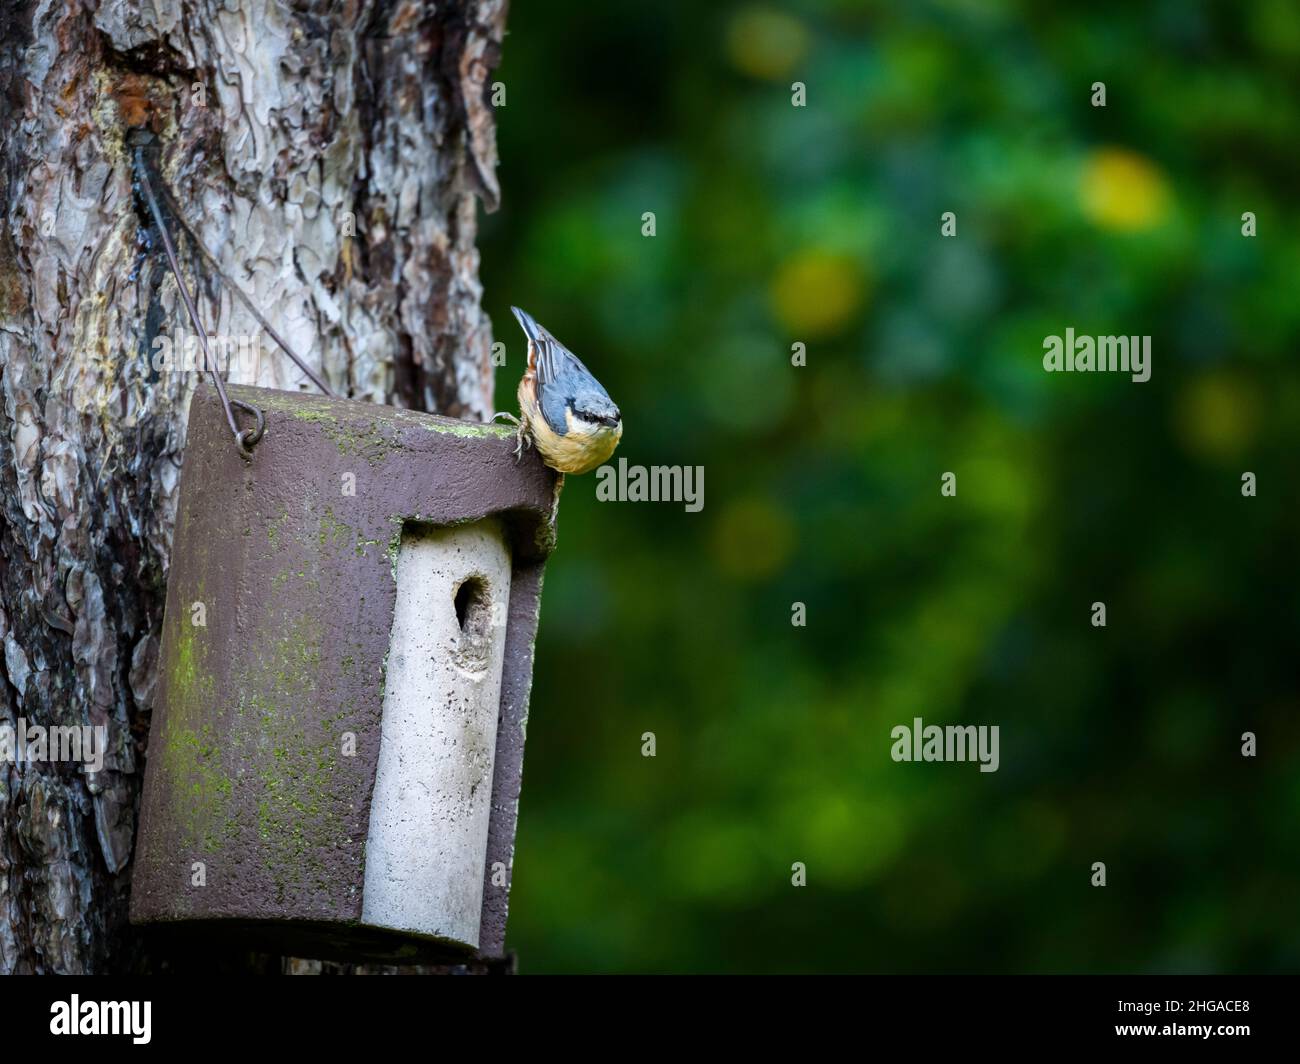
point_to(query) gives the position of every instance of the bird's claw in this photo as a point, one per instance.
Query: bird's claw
(522, 440)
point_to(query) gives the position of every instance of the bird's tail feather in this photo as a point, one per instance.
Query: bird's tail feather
(531, 329)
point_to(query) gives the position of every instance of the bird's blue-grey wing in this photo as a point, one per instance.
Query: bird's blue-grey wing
(555, 362)
(561, 376)
(570, 384)
(554, 400)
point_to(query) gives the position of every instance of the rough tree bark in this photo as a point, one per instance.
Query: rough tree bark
(330, 155)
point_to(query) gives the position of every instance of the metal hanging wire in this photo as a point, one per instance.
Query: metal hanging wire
(246, 439)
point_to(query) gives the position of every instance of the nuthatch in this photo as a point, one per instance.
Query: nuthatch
(563, 409)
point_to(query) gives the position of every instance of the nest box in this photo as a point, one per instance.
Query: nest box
(338, 731)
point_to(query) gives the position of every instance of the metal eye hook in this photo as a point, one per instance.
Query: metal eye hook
(248, 438)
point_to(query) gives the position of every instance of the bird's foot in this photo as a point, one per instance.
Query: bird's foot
(522, 439)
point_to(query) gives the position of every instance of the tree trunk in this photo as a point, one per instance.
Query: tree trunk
(329, 156)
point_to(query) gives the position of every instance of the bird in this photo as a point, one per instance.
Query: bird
(563, 410)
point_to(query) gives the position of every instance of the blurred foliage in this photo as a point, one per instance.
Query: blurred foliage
(821, 225)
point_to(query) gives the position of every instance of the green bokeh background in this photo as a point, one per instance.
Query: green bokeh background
(821, 225)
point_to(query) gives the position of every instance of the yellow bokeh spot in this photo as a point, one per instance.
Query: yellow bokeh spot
(817, 293)
(1123, 190)
(1216, 416)
(752, 539)
(765, 43)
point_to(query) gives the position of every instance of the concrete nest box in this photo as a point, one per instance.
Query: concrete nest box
(337, 739)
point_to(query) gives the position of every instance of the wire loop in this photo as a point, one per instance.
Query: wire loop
(248, 438)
